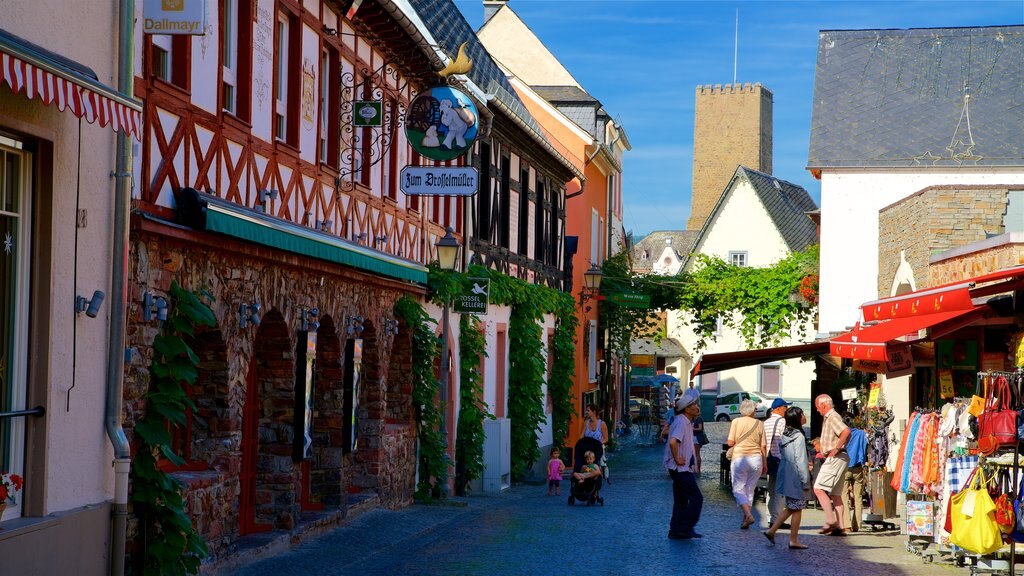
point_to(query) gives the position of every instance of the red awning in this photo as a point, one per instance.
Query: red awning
(872, 342)
(955, 296)
(729, 360)
(66, 84)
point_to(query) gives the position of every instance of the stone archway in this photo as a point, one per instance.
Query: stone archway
(269, 475)
(326, 467)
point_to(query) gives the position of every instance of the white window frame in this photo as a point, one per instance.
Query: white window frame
(740, 256)
(325, 99)
(594, 238)
(18, 364)
(229, 57)
(281, 80)
(592, 360)
(164, 68)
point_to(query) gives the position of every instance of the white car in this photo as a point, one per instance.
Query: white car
(727, 406)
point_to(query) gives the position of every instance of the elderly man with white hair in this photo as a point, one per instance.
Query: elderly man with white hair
(829, 485)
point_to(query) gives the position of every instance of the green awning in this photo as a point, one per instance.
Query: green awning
(207, 212)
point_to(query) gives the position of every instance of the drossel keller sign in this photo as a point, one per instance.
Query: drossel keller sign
(439, 180)
(180, 17)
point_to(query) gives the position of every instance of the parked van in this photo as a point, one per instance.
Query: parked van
(727, 406)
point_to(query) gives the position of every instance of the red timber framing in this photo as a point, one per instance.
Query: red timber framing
(187, 145)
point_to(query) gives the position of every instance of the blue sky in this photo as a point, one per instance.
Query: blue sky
(643, 59)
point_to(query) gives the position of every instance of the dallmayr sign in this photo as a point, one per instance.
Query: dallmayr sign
(179, 17)
(439, 180)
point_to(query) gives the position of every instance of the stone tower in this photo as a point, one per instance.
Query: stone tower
(732, 126)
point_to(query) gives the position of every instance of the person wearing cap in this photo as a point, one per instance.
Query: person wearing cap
(774, 426)
(681, 460)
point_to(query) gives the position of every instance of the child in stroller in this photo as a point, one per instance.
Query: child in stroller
(585, 483)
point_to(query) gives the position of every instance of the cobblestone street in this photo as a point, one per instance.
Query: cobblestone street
(525, 532)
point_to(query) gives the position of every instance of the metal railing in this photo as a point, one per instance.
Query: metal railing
(37, 411)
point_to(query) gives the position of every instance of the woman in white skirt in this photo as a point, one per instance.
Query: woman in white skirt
(746, 436)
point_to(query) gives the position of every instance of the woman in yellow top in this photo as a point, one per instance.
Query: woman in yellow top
(746, 435)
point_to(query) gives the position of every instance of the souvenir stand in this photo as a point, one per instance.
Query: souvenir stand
(881, 496)
(949, 439)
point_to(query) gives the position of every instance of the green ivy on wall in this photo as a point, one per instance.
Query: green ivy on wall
(469, 444)
(529, 303)
(170, 544)
(432, 458)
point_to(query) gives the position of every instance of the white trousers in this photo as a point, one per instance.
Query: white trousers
(745, 472)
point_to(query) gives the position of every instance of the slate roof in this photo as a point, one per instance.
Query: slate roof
(654, 244)
(449, 27)
(667, 348)
(787, 205)
(895, 98)
(565, 94)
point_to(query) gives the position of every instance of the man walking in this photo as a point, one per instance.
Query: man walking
(680, 461)
(854, 478)
(830, 482)
(774, 427)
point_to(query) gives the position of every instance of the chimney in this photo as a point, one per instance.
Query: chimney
(491, 7)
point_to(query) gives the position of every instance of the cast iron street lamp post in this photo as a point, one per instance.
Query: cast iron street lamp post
(447, 258)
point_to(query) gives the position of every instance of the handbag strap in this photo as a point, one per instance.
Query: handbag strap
(744, 437)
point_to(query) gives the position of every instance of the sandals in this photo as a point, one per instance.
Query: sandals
(746, 523)
(798, 547)
(828, 528)
(770, 537)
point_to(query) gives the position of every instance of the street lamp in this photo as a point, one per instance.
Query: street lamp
(591, 284)
(447, 259)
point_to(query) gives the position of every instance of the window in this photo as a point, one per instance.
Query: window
(325, 107)
(595, 235)
(555, 221)
(709, 383)
(1014, 219)
(771, 379)
(15, 168)
(524, 212)
(719, 326)
(229, 57)
(286, 81)
(539, 223)
(592, 352)
(505, 216)
(738, 258)
(483, 220)
(168, 59)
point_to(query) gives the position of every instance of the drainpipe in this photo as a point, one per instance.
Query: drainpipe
(118, 289)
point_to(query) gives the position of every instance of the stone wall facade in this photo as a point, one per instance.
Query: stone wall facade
(985, 261)
(732, 127)
(933, 220)
(242, 475)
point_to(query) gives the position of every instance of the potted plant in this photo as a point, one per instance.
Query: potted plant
(10, 486)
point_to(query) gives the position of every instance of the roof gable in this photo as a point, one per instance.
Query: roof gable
(522, 51)
(785, 203)
(899, 98)
(654, 245)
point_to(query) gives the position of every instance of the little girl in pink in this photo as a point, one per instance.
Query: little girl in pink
(555, 468)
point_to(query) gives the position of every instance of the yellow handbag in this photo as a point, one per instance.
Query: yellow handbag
(977, 406)
(974, 520)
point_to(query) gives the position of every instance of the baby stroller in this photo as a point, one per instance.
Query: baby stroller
(585, 490)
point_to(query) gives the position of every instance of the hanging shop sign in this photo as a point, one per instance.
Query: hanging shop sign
(474, 297)
(442, 123)
(439, 181)
(367, 113)
(629, 299)
(175, 17)
(849, 393)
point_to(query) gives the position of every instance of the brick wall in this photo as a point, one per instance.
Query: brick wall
(283, 285)
(932, 220)
(976, 264)
(732, 127)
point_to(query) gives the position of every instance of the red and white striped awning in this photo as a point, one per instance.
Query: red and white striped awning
(25, 67)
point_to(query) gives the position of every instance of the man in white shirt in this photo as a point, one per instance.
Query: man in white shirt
(774, 427)
(681, 460)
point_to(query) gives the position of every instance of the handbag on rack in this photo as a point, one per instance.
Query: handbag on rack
(974, 523)
(1005, 517)
(997, 425)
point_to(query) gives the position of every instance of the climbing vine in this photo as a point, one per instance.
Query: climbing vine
(432, 461)
(529, 303)
(469, 444)
(762, 304)
(171, 544)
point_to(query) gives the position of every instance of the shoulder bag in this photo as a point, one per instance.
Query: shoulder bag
(974, 522)
(729, 452)
(997, 425)
(1004, 504)
(1017, 535)
(774, 461)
